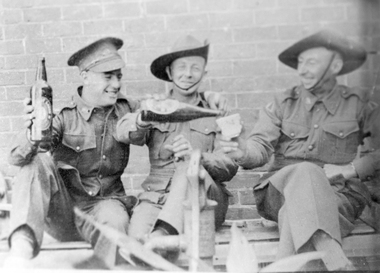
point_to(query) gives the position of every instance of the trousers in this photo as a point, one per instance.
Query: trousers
(42, 202)
(168, 206)
(302, 200)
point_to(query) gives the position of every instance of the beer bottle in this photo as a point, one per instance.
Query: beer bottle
(169, 110)
(42, 100)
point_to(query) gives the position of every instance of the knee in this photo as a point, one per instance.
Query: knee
(306, 167)
(113, 213)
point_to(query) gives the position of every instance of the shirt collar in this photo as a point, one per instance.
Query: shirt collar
(330, 101)
(83, 107)
(198, 101)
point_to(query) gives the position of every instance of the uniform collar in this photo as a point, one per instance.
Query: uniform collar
(331, 100)
(198, 101)
(83, 107)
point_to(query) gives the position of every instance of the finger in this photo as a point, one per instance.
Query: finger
(28, 109)
(27, 101)
(182, 154)
(229, 149)
(202, 174)
(183, 147)
(169, 147)
(224, 138)
(177, 137)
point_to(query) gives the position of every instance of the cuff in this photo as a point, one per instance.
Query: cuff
(364, 168)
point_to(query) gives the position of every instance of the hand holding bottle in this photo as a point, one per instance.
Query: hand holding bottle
(180, 147)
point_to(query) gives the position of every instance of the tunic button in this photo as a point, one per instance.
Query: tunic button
(100, 176)
(311, 147)
(206, 129)
(341, 134)
(148, 188)
(316, 126)
(78, 148)
(90, 193)
(104, 157)
(292, 134)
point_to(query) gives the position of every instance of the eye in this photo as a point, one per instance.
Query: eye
(119, 76)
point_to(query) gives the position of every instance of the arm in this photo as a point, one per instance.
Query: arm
(256, 150)
(131, 130)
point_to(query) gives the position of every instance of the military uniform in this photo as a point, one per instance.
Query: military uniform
(159, 187)
(83, 170)
(303, 133)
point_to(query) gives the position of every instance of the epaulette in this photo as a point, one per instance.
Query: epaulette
(362, 93)
(292, 93)
(70, 105)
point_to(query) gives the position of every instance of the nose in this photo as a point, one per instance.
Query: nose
(301, 68)
(188, 72)
(115, 82)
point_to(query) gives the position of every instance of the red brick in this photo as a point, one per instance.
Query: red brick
(11, 47)
(228, 20)
(166, 7)
(254, 68)
(73, 76)
(56, 60)
(21, 62)
(277, 16)
(17, 92)
(242, 213)
(55, 76)
(210, 5)
(246, 197)
(233, 84)
(234, 199)
(144, 56)
(133, 41)
(233, 51)
(271, 49)
(120, 10)
(185, 22)
(71, 45)
(3, 93)
(10, 109)
(135, 72)
(82, 12)
(12, 78)
(147, 24)
(322, 14)
(21, 31)
(254, 4)
(59, 29)
(276, 82)
(219, 68)
(17, 4)
(2, 62)
(63, 91)
(5, 125)
(43, 45)
(254, 100)
(104, 27)
(141, 88)
(42, 14)
(12, 16)
(299, 3)
(17, 124)
(255, 34)
(216, 36)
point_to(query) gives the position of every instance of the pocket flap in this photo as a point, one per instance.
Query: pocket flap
(341, 129)
(205, 125)
(295, 130)
(79, 143)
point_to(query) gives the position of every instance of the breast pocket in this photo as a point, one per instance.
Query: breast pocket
(203, 133)
(340, 141)
(78, 150)
(294, 135)
(79, 143)
(162, 134)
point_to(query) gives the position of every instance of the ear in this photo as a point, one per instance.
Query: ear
(168, 72)
(84, 77)
(337, 66)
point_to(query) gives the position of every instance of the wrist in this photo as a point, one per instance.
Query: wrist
(142, 124)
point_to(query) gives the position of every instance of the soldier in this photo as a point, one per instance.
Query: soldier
(85, 167)
(170, 144)
(316, 123)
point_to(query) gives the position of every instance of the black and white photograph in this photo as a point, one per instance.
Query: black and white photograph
(189, 135)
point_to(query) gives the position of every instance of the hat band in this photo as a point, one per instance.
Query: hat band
(101, 61)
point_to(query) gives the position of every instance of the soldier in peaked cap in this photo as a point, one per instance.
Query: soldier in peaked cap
(313, 187)
(85, 167)
(160, 208)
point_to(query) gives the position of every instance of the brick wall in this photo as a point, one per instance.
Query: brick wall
(246, 37)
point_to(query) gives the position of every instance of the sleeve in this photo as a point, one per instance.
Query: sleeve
(219, 166)
(23, 151)
(127, 130)
(264, 136)
(369, 164)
